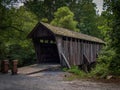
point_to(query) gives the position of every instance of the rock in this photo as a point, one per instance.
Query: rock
(109, 77)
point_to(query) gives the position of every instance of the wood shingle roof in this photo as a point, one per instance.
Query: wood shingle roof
(69, 33)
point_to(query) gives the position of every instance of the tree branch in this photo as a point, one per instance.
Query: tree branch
(6, 27)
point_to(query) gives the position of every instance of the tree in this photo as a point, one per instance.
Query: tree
(46, 8)
(15, 24)
(102, 24)
(112, 7)
(64, 18)
(85, 14)
(115, 37)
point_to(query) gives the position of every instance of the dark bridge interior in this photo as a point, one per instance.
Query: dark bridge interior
(48, 52)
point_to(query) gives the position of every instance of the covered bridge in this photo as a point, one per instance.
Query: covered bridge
(55, 44)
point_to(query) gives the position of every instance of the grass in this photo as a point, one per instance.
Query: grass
(96, 73)
(76, 73)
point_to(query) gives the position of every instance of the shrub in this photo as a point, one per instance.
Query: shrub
(114, 66)
(25, 55)
(101, 71)
(103, 63)
(75, 70)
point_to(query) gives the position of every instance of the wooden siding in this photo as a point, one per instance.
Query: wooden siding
(75, 50)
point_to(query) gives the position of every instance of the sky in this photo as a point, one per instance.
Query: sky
(99, 4)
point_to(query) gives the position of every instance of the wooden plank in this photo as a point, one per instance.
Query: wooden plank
(75, 59)
(59, 47)
(65, 59)
(87, 59)
(78, 53)
(82, 51)
(95, 52)
(68, 44)
(63, 46)
(71, 52)
(66, 49)
(87, 50)
(91, 51)
(94, 55)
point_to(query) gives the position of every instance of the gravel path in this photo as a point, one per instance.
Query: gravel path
(49, 82)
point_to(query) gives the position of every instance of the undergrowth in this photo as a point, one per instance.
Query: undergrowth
(100, 71)
(77, 73)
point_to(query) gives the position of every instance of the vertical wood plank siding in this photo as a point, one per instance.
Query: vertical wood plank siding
(77, 51)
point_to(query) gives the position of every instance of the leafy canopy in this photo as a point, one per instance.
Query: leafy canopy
(64, 18)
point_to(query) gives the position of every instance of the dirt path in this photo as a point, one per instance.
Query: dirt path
(50, 80)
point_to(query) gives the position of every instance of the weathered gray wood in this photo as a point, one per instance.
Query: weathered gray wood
(87, 59)
(74, 49)
(67, 50)
(78, 53)
(59, 46)
(64, 58)
(82, 50)
(68, 46)
(73, 44)
(71, 52)
(75, 58)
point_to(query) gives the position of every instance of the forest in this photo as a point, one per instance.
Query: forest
(78, 15)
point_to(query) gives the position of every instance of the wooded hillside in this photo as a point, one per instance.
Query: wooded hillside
(78, 15)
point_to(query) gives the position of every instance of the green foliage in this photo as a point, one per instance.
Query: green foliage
(106, 55)
(103, 68)
(85, 14)
(25, 55)
(101, 71)
(15, 24)
(14, 27)
(3, 51)
(103, 63)
(112, 8)
(108, 61)
(75, 70)
(103, 26)
(46, 8)
(63, 17)
(115, 65)
(44, 20)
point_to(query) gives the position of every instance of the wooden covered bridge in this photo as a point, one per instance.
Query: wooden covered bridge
(55, 44)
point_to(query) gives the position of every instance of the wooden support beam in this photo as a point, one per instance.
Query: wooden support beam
(66, 61)
(87, 59)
